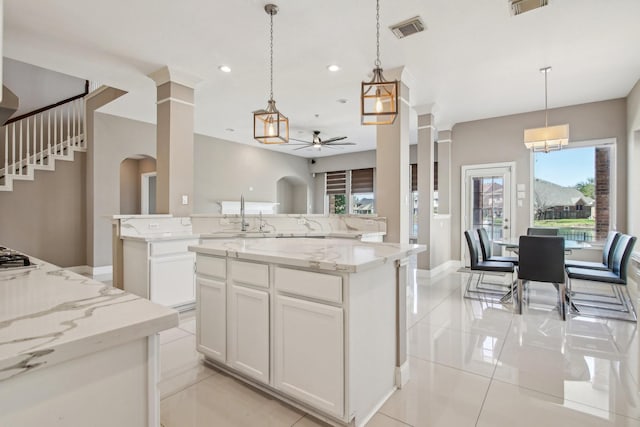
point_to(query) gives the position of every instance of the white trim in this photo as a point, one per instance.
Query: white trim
(427, 127)
(92, 271)
(405, 101)
(403, 374)
(172, 99)
(144, 192)
(153, 379)
(442, 268)
(169, 74)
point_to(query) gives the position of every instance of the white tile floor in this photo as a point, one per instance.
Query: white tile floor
(472, 363)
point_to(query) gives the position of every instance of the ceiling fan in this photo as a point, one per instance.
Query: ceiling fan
(318, 142)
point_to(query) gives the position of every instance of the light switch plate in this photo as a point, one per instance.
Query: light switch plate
(521, 187)
(185, 199)
(520, 203)
(521, 194)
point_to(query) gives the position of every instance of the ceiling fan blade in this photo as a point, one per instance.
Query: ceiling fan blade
(301, 148)
(289, 145)
(301, 140)
(340, 143)
(337, 138)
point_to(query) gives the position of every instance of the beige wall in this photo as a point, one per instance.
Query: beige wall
(224, 170)
(317, 206)
(633, 131)
(45, 218)
(131, 171)
(500, 140)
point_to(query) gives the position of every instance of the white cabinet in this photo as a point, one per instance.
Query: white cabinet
(211, 318)
(249, 331)
(172, 279)
(309, 353)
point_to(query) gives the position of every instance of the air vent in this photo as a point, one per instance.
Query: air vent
(408, 27)
(522, 6)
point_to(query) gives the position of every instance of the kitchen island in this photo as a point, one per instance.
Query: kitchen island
(77, 352)
(318, 323)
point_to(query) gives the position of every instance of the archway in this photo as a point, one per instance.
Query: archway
(137, 185)
(292, 194)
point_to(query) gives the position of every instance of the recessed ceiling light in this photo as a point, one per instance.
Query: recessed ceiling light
(230, 130)
(333, 68)
(225, 68)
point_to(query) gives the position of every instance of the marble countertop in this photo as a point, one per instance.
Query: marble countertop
(159, 237)
(254, 234)
(49, 315)
(345, 255)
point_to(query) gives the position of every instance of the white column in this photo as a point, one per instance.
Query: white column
(444, 172)
(426, 141)
(392, 165)
(174, 141)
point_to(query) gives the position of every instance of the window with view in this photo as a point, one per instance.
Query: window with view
(336, 190)
(362, 196)
(571, 191)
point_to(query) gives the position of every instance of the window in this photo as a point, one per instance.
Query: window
(572, 189)
(336, 188)
(414, 196)
(362, 196)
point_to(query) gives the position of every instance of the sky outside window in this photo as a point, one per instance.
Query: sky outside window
(566, 167)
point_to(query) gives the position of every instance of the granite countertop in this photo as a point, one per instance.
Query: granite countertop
(49, 315)
(159, 237)
(323, 254)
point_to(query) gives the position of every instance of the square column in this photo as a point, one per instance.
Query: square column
(174, 141)
(392, 172)
(426, 142)
(444, 172)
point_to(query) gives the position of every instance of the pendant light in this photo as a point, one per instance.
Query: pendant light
(379, 97)
(548, 138)
(270, 126)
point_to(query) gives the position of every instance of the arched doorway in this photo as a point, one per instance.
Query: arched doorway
(292, 193)
(137, 185)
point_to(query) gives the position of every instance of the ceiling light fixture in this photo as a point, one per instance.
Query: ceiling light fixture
(379, 97)
(224, 68)
(269, 125)
(333, 68)
(548, 138)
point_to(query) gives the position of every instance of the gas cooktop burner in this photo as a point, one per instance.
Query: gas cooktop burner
(11, 259)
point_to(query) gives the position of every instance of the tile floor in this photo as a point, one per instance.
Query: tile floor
(473, 363)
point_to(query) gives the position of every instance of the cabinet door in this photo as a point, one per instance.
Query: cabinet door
(309, 353)
(249, 332)
(171, 279)
(211, 318)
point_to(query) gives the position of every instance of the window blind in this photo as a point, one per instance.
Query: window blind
(362, 181)
(337, 182)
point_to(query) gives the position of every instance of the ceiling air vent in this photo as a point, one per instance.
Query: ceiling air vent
(408, 27)
(522, 6)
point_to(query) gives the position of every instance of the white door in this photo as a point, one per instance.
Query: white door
(211, 318)
(487, 201)
(249, 332)
(309, 353)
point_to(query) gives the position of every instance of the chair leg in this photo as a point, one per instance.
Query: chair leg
(562, 291)
(518, 303)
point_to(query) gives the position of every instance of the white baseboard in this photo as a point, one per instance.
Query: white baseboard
(452, 263)
(92, 271)
(402, 374)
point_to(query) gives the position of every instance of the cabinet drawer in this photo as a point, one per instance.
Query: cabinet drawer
(250, 273)
(211, 266)
(171, 247)
(307, 283)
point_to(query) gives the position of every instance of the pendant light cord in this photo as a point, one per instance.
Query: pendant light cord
(378, 63)
(546, 107)
(271, 60)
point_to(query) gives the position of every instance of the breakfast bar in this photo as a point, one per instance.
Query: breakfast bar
(318, 323)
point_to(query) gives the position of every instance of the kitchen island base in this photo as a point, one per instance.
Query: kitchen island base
(324, 339)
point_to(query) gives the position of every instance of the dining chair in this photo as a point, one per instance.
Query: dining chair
(482, 267)
(616, 278)
(541, 259)
(607, 255)
(537, 231)
(487, 250)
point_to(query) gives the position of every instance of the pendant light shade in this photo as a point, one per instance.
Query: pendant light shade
(547, 138)
(270, 126)
(379, 97)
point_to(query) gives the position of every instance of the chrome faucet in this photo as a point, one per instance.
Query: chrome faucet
(243, 223)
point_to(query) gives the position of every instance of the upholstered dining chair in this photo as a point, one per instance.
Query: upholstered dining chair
(616, 278)
(607, 255)
(536, 231)
(482, 267)
(487, 250)
(541, 259)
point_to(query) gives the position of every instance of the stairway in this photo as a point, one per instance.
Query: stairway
(36, 142)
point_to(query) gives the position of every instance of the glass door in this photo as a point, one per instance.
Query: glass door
(487, 202)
